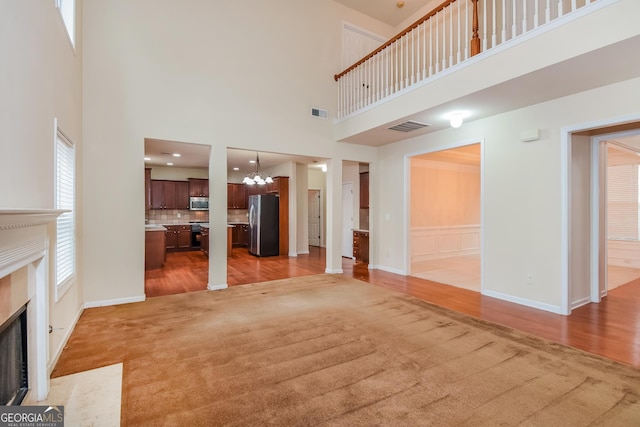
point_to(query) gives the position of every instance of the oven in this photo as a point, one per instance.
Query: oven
(196, 235)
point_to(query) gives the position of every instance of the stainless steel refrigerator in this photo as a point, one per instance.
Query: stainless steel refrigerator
(263, 225)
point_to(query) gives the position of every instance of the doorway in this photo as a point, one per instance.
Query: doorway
(445, 216)
(315, 217)
(603, 245)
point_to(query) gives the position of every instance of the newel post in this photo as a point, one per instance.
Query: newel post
(475, 40)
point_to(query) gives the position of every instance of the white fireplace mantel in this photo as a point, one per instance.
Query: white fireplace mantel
(24, 242)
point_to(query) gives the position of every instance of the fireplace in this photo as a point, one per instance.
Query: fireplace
(24, 273)
(13, 359)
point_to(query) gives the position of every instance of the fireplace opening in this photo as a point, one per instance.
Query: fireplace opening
(13, 359)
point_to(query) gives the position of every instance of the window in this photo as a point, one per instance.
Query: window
(65, 251)
(67, 10)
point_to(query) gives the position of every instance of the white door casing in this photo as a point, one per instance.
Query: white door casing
(347, 219)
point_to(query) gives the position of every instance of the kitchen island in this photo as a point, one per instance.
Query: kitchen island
(155, 246)
(204, 246)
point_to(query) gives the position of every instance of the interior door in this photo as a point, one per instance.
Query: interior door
(347, 220)
(314, 218)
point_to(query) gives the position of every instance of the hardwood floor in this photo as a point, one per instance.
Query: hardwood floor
(610, 329)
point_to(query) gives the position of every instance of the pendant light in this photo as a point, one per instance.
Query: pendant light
(253, 178)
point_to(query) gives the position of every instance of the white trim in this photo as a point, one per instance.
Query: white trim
(580, 302)
(116, 301)
(219, 287)
(333, 271)
(388, 269)
(58, 352)
(524, 301)
(565, 170)
(303, 252)
(293, 254)
(556, 23)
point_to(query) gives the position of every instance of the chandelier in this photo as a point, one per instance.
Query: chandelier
(253, 178)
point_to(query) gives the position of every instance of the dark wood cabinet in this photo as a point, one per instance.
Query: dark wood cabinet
(147, 189)
(280, 187)
(198, 187)
(204, 240)
(169, 194)
(364, 190)
(154, 249)
(163, 194)
(178, 237)
(253, 190)
(361, 246)
(240, 235)
(237, 196)
(182, 195)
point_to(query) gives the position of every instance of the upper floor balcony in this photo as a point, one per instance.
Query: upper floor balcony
(478, 58)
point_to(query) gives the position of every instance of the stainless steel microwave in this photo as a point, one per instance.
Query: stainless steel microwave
(199, 203)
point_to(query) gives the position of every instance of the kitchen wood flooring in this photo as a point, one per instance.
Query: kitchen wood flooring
(610, 329)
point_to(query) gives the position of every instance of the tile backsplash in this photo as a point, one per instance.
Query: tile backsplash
(237, 215)
(175, 216)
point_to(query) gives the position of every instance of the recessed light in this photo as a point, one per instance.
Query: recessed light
(237, 169)
(147, 159)
(176, 155)
(169, 164)
(252, 161)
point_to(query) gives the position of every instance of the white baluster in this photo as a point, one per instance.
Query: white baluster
(459, 53)
(574, 6)
(504, 21)
(407, 71)
(437, 18)
(535, 14)
(559, 8)
(494, 34)
(450, 35)
(395, 61)
(547, 12)
(467, 38)
(513, 23)
(484, 25)
(424, 50)
(524, 16)
(431, 46)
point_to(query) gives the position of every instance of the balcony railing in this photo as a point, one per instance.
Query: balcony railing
(450, 34)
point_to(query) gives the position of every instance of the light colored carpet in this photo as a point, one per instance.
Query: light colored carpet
(327, 350)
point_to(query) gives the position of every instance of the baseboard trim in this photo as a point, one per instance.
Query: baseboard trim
(334, 271)
(117, 301)
(580, 302)
(303, 252)
(56, 355)
(524, 301)
(293, 254)
(387, 269)
(217, 287)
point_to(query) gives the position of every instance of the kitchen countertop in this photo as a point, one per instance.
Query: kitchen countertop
(154, 227)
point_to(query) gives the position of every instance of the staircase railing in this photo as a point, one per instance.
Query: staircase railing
(451, 33)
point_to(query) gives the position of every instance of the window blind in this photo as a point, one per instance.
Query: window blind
(65, 252)
(622, 193)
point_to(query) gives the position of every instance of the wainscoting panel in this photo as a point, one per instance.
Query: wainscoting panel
(441, 242)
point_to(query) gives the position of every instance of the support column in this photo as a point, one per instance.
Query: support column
(334, 216)
(217, 217)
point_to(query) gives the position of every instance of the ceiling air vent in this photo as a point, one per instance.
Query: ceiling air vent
(409, 126)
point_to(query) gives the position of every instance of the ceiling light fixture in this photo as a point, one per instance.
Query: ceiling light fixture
(176, 155)
(169, 164)
(400, 4)
(147, 159)
(456, 120)
(253, 178)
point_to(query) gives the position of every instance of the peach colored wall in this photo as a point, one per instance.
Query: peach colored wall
(444, 194)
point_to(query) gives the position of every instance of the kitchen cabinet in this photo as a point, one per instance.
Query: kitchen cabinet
(163, 194)
(237, 196)
(253, 190)
(198, 187)
(280, 187)
(182, 195)
(240, 236)
(178, 237)
(361, 246)
(364, 190)
(147, 189)
(204, 240)
(169, 194)
(154, 249)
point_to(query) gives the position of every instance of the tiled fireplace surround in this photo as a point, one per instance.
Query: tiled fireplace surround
(24, 277)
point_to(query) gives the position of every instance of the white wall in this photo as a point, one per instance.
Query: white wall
(226, 74)
(522, 201)
(177, 174)
(40, 80)
(317, 180)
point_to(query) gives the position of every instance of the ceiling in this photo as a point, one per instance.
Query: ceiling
(386, 10)
(160, 152)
